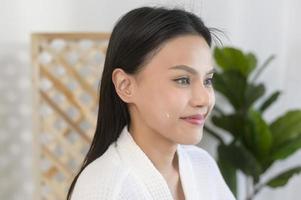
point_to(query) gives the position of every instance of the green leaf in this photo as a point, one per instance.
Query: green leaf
(286, 127)
(283, 178)
(229, 58)
(252, 60)
(253, 93)
(233, 123)
(286, 149)
(268, 102)
(239, 157)
(229, 173)
(232, 85)
(258, 135)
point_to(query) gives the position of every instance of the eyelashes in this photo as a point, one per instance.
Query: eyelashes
(209, 81)
(183, 81)
(186, 81)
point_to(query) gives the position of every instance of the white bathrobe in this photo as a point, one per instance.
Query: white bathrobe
(124, 172)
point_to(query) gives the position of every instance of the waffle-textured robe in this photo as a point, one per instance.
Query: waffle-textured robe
(124, 172)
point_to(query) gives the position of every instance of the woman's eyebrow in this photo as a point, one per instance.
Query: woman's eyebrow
(191, 70)
(211, 71)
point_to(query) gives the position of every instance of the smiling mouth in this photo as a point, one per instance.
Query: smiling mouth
(195, 120)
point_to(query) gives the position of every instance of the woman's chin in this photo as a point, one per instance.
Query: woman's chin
(192, 139)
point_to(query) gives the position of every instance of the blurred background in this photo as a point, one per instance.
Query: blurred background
(263, 27)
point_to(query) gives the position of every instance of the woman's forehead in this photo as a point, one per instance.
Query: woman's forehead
(190, 51)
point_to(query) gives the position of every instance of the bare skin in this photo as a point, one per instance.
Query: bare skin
(175, 185)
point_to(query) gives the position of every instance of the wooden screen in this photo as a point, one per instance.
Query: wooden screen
(66, 76)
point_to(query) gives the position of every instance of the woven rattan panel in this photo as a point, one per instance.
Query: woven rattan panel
(66, 74)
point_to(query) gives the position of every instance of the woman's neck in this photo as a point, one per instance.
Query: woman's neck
(160, 150)
(163, 155)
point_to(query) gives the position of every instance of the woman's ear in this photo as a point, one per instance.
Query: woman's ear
(123, 85)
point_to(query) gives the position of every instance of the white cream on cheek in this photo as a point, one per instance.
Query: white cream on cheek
(167, 115)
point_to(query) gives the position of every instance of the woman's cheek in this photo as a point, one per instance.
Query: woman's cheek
(212, 100)
(166, 105)
(173, 107)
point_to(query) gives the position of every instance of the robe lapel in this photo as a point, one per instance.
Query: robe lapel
(142, 167)
(188, 178)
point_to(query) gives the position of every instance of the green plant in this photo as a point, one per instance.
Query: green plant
(255, 144)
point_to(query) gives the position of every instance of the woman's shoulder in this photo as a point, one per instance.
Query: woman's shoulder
(102, 178)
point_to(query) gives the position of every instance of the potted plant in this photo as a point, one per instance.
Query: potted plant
(255, 144)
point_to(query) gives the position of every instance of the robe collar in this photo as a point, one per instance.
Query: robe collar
(152, 179)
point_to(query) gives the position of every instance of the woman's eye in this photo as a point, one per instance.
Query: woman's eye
(183, 81)
(208, 82)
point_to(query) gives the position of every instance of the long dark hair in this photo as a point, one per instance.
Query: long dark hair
(134, 39)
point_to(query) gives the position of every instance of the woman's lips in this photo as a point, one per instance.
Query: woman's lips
(196, 119)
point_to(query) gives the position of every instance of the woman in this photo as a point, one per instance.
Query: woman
(156, 93)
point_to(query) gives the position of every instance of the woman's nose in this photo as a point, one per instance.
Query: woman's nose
(200, 96)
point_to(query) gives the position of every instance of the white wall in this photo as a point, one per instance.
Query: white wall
(264, 27)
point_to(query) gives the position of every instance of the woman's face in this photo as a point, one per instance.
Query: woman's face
(173, 85)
